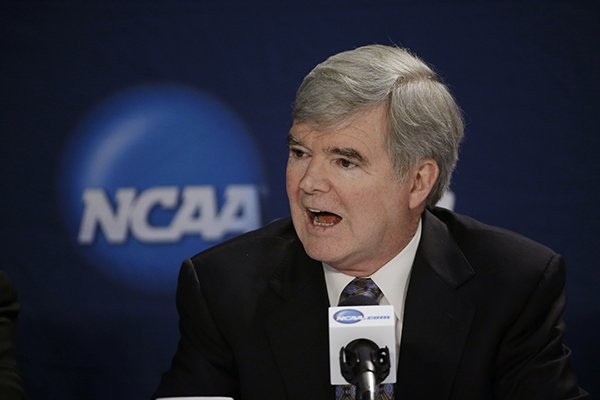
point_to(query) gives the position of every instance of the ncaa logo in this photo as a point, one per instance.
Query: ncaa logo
(155, 175)
(348, 316)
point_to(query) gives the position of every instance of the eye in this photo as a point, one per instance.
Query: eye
(297, 153)
(346, 164)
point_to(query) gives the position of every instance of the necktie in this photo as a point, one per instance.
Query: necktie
(361, 288)
(362, 291)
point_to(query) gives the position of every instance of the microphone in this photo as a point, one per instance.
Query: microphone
(362, 345)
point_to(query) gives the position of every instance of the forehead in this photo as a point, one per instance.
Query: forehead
(365, 129)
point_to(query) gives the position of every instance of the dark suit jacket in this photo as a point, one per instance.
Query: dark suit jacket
(10, 381)
(482, 319)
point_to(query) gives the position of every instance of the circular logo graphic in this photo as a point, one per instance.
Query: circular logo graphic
(154, 175)
(348, 316)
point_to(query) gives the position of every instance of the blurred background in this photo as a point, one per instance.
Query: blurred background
(136, 133)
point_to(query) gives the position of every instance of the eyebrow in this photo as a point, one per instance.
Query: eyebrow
(347, 152)
(294, 141)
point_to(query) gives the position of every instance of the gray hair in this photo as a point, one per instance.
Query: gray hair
(424, 120)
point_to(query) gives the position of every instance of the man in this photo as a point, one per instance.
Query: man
(374, 140)
(10, 381)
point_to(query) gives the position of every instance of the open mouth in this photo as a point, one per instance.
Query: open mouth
(323, 218)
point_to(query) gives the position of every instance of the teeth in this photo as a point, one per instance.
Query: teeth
(317, 223)
(316, 219)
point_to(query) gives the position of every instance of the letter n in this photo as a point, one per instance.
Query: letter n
(98, 214)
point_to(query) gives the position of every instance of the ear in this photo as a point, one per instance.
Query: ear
(424, 175)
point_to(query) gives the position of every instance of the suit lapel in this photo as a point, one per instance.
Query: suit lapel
(436, 319)
(297, 328)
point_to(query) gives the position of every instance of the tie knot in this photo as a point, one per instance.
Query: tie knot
(361, 291)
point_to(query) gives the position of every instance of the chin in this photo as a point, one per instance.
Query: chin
(315, 252)
(320, 253)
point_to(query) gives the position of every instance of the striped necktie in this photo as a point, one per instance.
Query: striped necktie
(362, 291)
(361, 288)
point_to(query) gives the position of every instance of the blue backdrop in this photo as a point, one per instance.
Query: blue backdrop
(136, 133)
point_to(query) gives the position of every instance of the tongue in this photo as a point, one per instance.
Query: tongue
(328, 219)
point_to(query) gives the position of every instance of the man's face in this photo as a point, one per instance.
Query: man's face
(348, 206)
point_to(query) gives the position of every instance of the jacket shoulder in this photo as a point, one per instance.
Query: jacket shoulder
(489, 246)
(259, 247)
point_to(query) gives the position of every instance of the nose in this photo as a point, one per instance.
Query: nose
(314, 179)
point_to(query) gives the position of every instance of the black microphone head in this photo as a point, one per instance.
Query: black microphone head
(358, 301)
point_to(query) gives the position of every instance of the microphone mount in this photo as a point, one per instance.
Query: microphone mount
(365, 365)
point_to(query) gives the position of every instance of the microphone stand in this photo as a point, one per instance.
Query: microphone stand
(364, 365)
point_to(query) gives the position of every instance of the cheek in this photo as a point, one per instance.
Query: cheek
(368, 196)
(364, 205)
(376, 205)
(291, 182)
(294, 170)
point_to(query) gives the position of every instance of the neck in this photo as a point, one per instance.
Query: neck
(370, 266)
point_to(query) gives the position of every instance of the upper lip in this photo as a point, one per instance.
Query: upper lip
(315, 209)
(319, 210)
